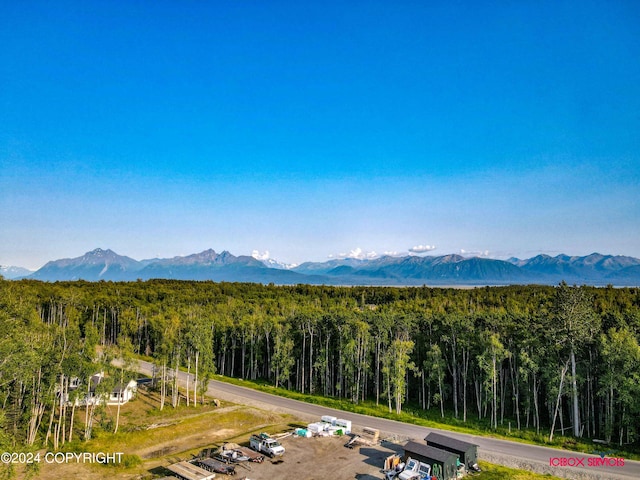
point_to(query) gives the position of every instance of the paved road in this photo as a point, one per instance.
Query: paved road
(515, 454)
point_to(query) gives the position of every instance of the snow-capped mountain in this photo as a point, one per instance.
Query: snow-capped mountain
(594, 269)
(10, 272)
(272, 262)
(95, 265)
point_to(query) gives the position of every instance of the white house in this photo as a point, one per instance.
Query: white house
(122, 393)
(119, 394)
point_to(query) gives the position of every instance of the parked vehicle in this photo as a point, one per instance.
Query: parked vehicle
(415, 470)
(213, 465)
(267, 445)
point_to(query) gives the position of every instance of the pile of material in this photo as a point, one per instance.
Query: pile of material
(369, 437)
(327, 425)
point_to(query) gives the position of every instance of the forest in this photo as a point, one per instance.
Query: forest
(561, 359)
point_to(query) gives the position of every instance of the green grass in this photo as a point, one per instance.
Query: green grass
(498, 472)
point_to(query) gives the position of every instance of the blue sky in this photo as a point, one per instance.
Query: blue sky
(315, 129)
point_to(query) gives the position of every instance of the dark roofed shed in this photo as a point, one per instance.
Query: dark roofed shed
(443, 463)
(468, 452)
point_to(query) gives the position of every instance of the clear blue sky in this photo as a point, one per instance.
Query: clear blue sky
(163, 128)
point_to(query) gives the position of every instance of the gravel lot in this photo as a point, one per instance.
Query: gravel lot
(319, 458)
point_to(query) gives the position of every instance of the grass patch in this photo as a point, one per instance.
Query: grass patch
(498, 472)
(159, 433)
(149, 437)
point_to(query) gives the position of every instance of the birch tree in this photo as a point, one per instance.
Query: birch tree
(490, 361)
(576, 325)
(620, 380)
(282, 358)
(434, 365)
(396, 364)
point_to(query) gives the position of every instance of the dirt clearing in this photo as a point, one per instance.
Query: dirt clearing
(150, 440)
(318, 458)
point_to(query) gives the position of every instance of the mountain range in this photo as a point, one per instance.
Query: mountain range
(14, 272)
(99, 264)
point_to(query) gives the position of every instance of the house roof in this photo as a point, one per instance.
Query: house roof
(452, 443)
(429, 452)
(119, 388)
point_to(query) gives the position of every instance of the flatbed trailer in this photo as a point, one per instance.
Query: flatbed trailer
(254, 456)
(189, 471)
(216, 466)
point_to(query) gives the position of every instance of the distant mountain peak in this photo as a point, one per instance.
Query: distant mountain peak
(452, 258)
(100, 254)
(266, 259)
(452, 269)
(209, 254)
(11, 272)
(273, 263)
(98, 264)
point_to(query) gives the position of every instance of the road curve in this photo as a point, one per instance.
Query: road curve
(509, 453)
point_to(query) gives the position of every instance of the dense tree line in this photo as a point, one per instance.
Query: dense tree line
(545, 358)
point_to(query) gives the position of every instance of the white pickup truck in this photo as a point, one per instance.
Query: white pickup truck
(267, 445)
